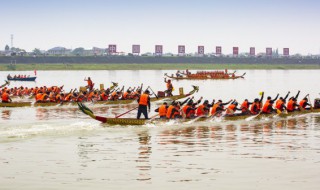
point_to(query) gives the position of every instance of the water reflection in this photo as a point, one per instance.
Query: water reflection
(143, 161)
(6, 114)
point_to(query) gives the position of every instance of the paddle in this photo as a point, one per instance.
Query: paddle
(311, 107)
(153, 92)
(126, 112)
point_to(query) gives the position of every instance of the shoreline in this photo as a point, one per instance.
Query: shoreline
(156, 66)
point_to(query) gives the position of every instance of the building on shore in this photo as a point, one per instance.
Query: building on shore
(59, 51)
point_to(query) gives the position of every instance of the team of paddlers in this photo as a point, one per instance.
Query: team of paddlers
(58, 95)
(201, 74)
(195, 109)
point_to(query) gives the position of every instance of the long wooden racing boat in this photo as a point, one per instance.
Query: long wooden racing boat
(22, 79)
(133, 121)
(108, 102)
(203, 77)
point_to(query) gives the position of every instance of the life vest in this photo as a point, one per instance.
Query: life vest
(68, 97)
(169, 86)
(199, 110)
(90, 84)
(214, 109)
(125, 95)
(144, 99)
(184, 109)
(265, 108)
(177, 113)
(38, 96)
(162, 110)
(303, 103)
(245, 106)
(104, 96)
(169, 111)
(90, 96)
(5, 97)
(252, 110)
(279, 104)
(52, 97)
(231, 108)
(290, 105)
(43, 97)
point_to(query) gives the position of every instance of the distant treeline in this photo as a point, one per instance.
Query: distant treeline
(141, 59)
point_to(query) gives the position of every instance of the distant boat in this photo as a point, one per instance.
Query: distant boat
(22, 79)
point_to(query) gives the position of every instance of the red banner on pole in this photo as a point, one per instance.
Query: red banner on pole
(201, 50)
(269, 51)
(159, 49)
(136, 49)
(252, 51)
(286, 51)
(181, 49)
(112, 48)
(235, 51)
(218, 50)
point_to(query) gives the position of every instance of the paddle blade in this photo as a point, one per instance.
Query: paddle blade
(260, 93)
(279, 112)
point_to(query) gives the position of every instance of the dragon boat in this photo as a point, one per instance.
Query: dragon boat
(22, 79)
(235, 117)
(204, 76)
(108, 102)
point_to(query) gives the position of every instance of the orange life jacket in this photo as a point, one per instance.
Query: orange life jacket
(279, 104)
(231, 107)
(125, 95)
(169, 111)
(302, 103)
(162, 110)
(214, 109)
(5, 97)
(144, 99)
(245, 106)
(290, 105)
(199, 110)
(254, 112)
(265, 107)
(169, 86)
(38, 96)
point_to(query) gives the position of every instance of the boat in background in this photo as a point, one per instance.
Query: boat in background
(22, 79)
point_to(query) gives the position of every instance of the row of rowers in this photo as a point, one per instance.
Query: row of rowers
(57, 94)
(195, 109)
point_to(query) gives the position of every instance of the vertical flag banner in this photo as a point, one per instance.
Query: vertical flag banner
(136, 49)
(159, 49)
(112, 48)
(252, 51)
(235, 51)
(269, 51)
(286, 51)
(218, 50)
(181, 49)
(201, 50)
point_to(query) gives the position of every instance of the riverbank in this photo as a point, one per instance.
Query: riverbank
(157, 66)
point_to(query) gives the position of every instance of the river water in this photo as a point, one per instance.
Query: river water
(61, 148)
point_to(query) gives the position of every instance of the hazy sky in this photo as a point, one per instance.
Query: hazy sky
(86, 23)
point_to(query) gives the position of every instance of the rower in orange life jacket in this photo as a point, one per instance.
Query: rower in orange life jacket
(144, 103)
(126, 95)
(269, 98)
(5, 98)
(232, 108)
(218, 107)
(172, 109)
(292, 104)
(169, 87)
(162, 110)
(203, 109)
(189, 110)
(304, 103)
(38, 96)
(255, 107)
(245, 106)
(268, 107)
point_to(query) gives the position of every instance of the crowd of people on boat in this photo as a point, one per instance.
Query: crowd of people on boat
(17, 76)
(191, 109)
(205, 74)
(58, 94)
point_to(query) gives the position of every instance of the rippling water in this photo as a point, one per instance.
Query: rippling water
(60, 148)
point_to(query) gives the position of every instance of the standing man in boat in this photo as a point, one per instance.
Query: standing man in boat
(90, 83)
(169, 87)
(144, 104)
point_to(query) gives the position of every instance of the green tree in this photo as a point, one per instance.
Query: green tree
(7, 48)
(78, 51)
(36, 51)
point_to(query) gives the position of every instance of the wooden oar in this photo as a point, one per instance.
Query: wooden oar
(126, 112)
(153, 92)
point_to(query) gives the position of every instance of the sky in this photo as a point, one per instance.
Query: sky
(278, 24)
